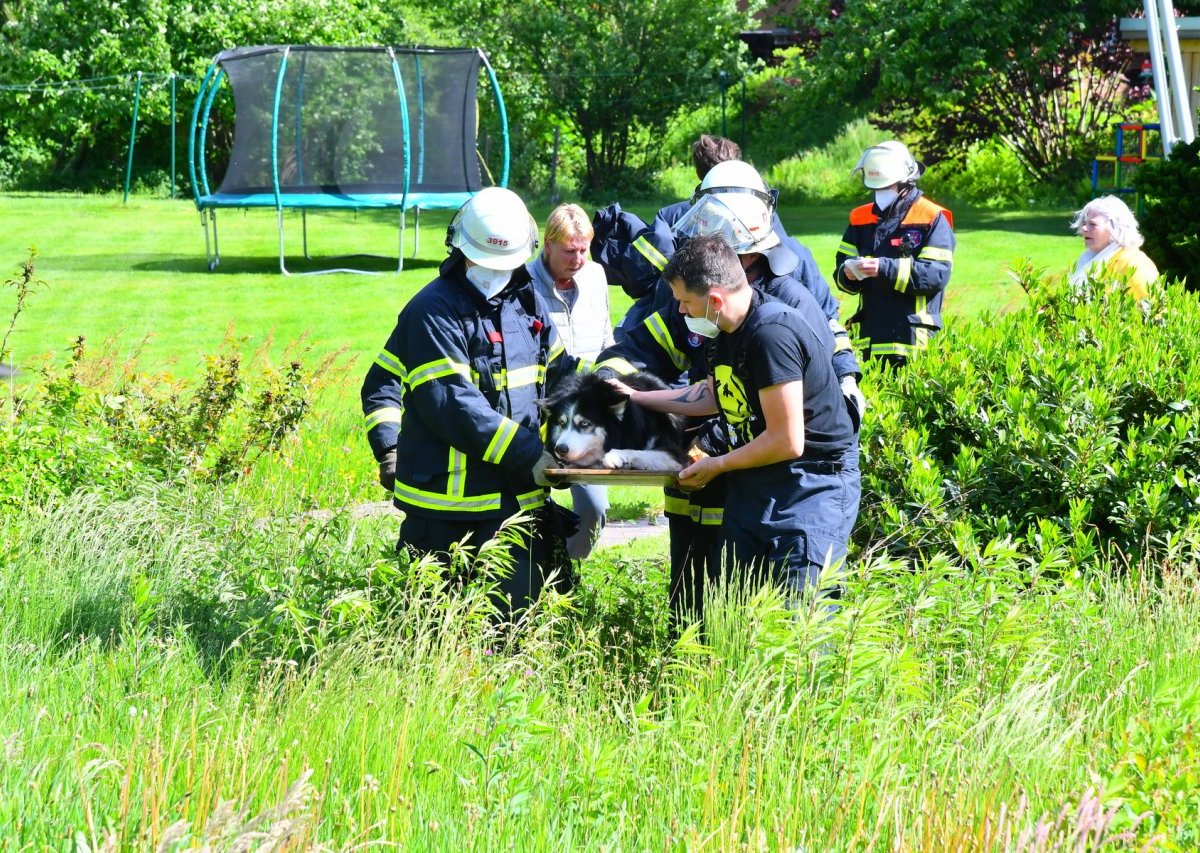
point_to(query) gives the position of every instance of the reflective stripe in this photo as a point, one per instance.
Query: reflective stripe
(436, 370)
(841, 338)
(585, 365)
(648, 251)
(936, 253)
(531, 500)
(903, 274)
(618, 365)
(848, 249)
(921, 333)
(704, 515)
(503, 437)
(892, 348)
(657, 327)
(555, 351)
(456, 467)
(522, 376)
(434, 500)
(391, 364)
(386, 415)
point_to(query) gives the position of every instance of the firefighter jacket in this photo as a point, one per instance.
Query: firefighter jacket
(631, 252)
(455, 392)
(901, 308)
(799, 264)
(664, 346)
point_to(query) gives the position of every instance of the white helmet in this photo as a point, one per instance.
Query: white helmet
(887, 163)
(734, 200)
(494, 229)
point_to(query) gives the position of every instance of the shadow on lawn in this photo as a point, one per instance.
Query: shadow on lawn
(256, 265)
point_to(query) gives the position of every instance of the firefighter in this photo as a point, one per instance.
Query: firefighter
(734, 202)
(450, 402)
(791, 470)
(896, 254)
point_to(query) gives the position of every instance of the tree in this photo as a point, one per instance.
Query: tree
(1044, 76)
(613, 72)
(63, 129)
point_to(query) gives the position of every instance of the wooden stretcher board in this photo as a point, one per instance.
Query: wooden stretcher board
(613, 476)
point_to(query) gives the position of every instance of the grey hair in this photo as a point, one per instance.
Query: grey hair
(1121, 220)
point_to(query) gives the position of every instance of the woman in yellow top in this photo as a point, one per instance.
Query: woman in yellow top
(1111, 246)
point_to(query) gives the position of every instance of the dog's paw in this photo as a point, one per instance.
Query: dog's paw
(617, 459)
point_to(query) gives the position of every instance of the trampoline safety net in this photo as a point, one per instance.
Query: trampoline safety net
(341, 120)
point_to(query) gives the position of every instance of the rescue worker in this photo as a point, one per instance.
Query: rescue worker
(450, 402)
(792, 471)
(896, 254)
(576, 295)
(734, 202)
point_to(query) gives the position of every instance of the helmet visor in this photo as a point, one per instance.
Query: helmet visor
(709, 215)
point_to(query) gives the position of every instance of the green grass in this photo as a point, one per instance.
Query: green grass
(136, 273)
(189, 666)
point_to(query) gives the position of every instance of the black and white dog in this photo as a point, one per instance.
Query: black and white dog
(590, 424)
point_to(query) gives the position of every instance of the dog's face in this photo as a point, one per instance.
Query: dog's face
(581, 417)
(574, 438)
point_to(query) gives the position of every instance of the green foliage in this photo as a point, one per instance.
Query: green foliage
(81, 427)
(1043, 78)
(1158, 774)
(1071, 424)
(1172, 191)
(604, 74)
(78, 135)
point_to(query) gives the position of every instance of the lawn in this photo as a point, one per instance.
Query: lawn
(135, 272)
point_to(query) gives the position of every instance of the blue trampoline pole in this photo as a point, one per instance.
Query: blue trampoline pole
(172, 134)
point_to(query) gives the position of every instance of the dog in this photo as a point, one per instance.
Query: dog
(590, 424)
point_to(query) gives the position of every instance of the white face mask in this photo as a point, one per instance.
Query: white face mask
(885, 198)
(703, 326)
(489, 282)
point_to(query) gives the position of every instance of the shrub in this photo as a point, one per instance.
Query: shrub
(1072, 423)
(1172, 191)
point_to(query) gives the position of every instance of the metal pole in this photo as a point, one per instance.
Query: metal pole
(721, 82)
(1162, 94)
(1179, 87)
(137, 100)
(743, 115)
(172, 134)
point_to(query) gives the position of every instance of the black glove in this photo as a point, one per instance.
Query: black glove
(387, 470)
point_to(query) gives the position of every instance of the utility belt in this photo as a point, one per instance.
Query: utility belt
(820, 466)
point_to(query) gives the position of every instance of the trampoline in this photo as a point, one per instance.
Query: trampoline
(342, 128)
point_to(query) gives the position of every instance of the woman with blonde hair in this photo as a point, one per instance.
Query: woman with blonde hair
(1111, 246)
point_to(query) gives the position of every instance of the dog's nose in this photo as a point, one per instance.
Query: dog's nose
(560, 450)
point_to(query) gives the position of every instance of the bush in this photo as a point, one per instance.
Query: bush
(1171, 188)
(1072, 423)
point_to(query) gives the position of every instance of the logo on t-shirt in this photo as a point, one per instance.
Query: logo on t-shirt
(694, 340)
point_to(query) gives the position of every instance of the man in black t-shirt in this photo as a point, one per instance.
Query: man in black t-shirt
(791, 471)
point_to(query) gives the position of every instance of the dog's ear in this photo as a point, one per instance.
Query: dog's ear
(544, 405)
(617, 407)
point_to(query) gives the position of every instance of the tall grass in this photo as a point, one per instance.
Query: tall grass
(944, 705)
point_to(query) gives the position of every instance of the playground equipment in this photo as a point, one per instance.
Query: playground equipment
(1174, 47)
(1136, 144)
(342, 128)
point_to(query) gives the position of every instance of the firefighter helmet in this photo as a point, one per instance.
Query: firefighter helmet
(733, 199)
(494, 229)
(886, 164)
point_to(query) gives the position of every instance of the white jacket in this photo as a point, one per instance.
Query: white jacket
(585, 328)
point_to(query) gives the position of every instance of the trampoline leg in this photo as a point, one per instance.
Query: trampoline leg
(212, 254)
(279, 218)
(400, 253)
(417, 232)
(304, 231)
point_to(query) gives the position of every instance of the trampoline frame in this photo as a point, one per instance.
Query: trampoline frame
(208, 202)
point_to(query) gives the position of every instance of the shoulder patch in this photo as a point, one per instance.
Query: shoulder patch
(863, 215)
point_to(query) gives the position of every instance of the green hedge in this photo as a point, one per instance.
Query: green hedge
(1072, 423)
